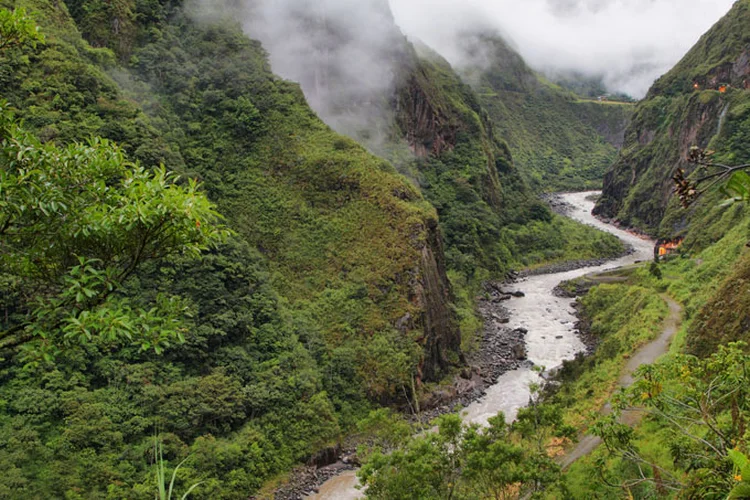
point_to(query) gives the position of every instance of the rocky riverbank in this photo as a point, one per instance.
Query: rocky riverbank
(307, 479)
(501, 349)
(557, 204)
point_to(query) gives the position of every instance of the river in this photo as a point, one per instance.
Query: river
(551, 340)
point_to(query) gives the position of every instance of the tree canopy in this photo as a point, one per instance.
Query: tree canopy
(75, 223)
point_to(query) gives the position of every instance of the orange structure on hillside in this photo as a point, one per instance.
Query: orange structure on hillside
(665, 247)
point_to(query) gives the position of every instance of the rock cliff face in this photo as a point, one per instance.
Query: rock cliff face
(436, 112)
(427, 130)
(704, 101)
(433, 294)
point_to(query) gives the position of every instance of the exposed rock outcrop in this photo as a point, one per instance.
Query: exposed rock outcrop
(427, 129)
(433, 293)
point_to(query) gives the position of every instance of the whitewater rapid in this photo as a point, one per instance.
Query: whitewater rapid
(551, 340)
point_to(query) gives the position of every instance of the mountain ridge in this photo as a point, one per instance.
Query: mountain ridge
(559, 140)
(686, 107)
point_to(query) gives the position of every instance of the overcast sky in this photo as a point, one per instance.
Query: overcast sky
(629, 42)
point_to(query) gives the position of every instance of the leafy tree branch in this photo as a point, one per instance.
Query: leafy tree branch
(737, 180)
(76, 223)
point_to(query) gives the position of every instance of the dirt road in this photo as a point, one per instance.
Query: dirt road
(645, 355)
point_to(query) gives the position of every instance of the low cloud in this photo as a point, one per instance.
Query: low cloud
(628, 42)
(344, 53)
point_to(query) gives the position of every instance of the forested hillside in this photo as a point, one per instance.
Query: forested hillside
(559, 140)
(703, 102)
(331, 294)
(261, 328)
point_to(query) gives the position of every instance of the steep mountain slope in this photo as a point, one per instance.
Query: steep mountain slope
(333, 293)
(365, 79)
(558, 139)
(407, 103)
(274, 165)
(461, 166)
(704, 101)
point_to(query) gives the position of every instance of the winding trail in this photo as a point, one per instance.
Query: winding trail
(552, 336)
(647, 354)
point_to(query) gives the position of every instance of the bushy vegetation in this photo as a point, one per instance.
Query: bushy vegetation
(622, 318)
(246, 351)
(693, 429)
(554, 238)
(260, 382)
(466, 462)
(77, 224)
(675, 450)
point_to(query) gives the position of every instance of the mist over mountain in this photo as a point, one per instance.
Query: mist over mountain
(344, 54)
(344, 51)
(629, 42)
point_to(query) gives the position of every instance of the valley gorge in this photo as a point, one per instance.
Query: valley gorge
(551, 335)
(253, 243)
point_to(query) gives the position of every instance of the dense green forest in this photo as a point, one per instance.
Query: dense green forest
(197, 270)
(253, 299)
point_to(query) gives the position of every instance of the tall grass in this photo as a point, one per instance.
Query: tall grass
(164, 492)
